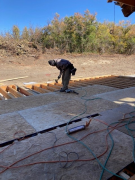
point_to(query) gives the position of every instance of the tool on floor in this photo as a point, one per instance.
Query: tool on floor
(71, 91)
(79, 128)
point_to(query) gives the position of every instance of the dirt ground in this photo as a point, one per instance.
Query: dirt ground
(38, 70)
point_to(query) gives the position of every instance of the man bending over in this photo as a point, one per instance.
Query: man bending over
(66, 69)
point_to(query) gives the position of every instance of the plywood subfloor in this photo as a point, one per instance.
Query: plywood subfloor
(124, 113)
(122, 96)
(50, 110)
(12, 126)
(17, 104)
(121, 155)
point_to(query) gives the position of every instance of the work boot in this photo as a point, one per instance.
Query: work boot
(73, 71)
(63, 90)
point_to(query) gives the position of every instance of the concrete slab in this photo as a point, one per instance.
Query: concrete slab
(123, 96)
(84, 168)
(12, 126)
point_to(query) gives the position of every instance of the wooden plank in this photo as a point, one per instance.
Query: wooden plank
(132, 178)
(14, 92)
(28, 86)
(60, 85)
(1, 98)
(4, 88)
(45, 86)
(21, 90)
(128, 172)
(4, 93)
(30, 90)
(38, 89)
(114, 83)
(124, 175)
(53, 85)
(25, 92)
(127, 10)
(74, 84)
(96, 81)
(100, 79)
(45, 90)
(81, 83)
(95, 77)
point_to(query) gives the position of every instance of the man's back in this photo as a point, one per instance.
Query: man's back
(62, 64)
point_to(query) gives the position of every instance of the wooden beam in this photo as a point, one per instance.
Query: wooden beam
(1, 98)
(22, 90)
(4, 93)
(104, 76)
(25, 92)
(14, 92)
(74, 84)
(45, 86)
(81, 83)
(40, 88)
(127, 10)
(28, 86)
(58, 84)
(4, 88)
(30, 90)
(128, 2)
(36, 88)
(54, 85)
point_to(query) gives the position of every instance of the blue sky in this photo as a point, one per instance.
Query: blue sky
(32, 13)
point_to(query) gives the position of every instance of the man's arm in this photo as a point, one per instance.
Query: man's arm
(60, 74)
